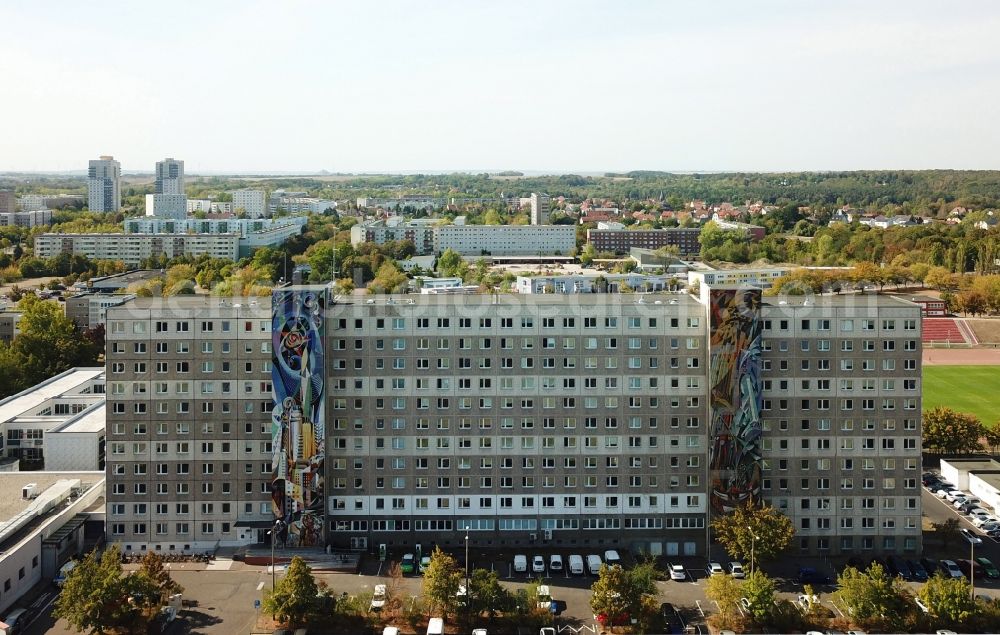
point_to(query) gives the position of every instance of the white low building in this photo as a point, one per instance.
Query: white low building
(132, 249)
(744, 277)
(45, 518)
(593, 283)
(72, 403)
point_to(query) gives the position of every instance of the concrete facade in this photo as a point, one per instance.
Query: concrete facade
(189, 422)
(621, 241)
(104, 185)
(132, 249)
(252, 202)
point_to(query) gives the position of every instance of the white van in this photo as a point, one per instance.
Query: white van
(555, 562)
(64, 571)
(435, 626)
(594, 564)
(612, 558)
(520, 563)
(576, 564)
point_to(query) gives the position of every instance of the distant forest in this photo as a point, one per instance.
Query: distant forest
(924, 192)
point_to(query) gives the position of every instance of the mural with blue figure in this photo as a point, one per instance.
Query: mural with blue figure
(735, 397)
(298, 433)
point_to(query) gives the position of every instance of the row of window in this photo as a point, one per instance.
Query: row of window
(846, 405)
(846, 325)
(846, 425)
(184, 447)
(163, 529)
(184, 427)
(526, 462)
(844, 384)
(509, 423)
(527, 482)
(184, 347)
(184, 489)
(845, 464)
(184, 326)
(139, 368)
(164, 469)
(846, 483)
(184, 407)
(506, 403)
(524, 322)
(525, 443)
(522, 524)
(846, 365)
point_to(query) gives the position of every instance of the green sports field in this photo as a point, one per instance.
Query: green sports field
(971, 389)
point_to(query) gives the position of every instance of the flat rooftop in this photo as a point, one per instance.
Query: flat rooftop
(16, 405)
(974, 465)
(91, 420)
(11, 484)
(192, 302)
(515, 299)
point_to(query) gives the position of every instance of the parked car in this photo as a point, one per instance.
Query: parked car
(378, 598)
(594, 564)
(941, 492)
(736, 569)
(611, 558)
(970, 537)
(520, 563)
(714, 568)
(929, 479)
(672, 621)
(678, 572)
(576, 564)
(555, 562)
(970, 568)
(894, 566)
(953, 494)
(988, 567)
(538, 564)
(15, 621)
(950, 569)
(917, 571)
(408, 564)
(810, 575)
(930, 565)
(980, 521)
(978, 512)
(805, 602)
(958, 502)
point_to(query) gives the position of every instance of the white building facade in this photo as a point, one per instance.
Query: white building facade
(104, 185)
(252, 202)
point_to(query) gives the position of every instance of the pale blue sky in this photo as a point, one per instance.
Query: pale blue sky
(558, 86)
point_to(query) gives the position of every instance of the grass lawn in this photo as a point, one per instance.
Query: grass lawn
(971, 389)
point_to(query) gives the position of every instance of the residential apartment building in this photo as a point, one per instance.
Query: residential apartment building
(169, 177)
(620, 241)
(297, 203)
(104, 185)
(506, 240)
(762, 278)
(88, 310)
(380, 232)
(132, 249)
(26, 219)
(252, 202)
(172, 206)
(840, 442)
(189, 422)
(8, 202)
(574, 421)
(541, 206)
(39, 202)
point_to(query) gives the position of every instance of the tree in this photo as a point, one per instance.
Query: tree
(758, 589)
(441, 581)
(610, 595)
(872, 595)
(97, 597)
(159, 577)
(486, 594)
(946, 431)
(946, 531)
(759, 527)
(450, 263)
(992, 436)
(49, 342)
(293, 600)
(726, 592)
(389, 279)
(948, 598)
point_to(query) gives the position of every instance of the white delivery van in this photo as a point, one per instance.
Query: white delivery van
(64, 571)
(594, 564)
(520, 563)
(435, 626)
(576, 564)
(612, 558)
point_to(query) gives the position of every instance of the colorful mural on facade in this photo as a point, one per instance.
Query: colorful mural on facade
(298, 433)
(735, 398)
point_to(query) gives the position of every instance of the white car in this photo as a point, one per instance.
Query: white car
(942, 493)
(678, 572)
(736, 569)
(990, 524)
(804, 602)
(611, 558)
(979, 512)
(981, 521)
(950, 568)
(555, 562)
(538, 564)
(714, 568)
(378, 598)
(953, 495)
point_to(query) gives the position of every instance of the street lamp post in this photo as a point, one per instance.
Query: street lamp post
(278, 526)
(972, 568)
(753, 544)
